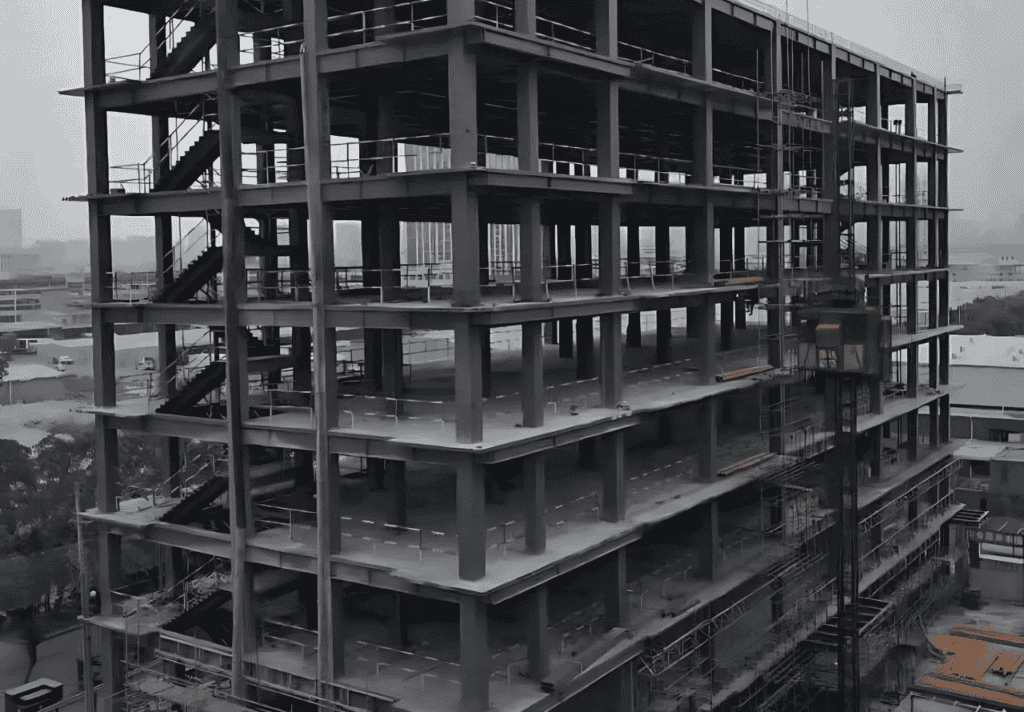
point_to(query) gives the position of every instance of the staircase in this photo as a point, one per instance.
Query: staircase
(187, 53)
(211, 377)
(199, 157)
(194, 277)
(184, 511)
(203, 614)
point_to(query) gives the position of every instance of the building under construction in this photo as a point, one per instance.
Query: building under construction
(554, 356)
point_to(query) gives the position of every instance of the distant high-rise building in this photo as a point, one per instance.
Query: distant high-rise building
(10, 227)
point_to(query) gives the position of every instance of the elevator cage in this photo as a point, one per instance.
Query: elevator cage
(843, 340)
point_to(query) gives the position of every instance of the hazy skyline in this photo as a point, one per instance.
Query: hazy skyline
(976, 43)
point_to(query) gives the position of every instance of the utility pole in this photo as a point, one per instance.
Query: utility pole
(83, 595)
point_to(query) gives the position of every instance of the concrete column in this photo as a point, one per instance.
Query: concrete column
(388, 234)
(584, 252)
(233, 231)
(944, 414)
(394, 473)
(876, 453)
(700, 41)
(606, 27)
(911, 300)
(633, 270)
(874, 99)
(912, 362)
(465, 247)
(538, 650)
(485, 248)
(725, 242)
(611, 360)
(613, 480)
(662, 250)
(609, 248)
(912, 435)
(700, 326)
(944, 360)
(392, 376)
(337, 632)
(911, 178)
(616, 598)
(468, 383)
(664, 336)
(933, 424)
(703, 145)
(700, 245)
(933, 118)
(526, 16)
(933, 363)
(874, 243)
(585, 367)
(471, 523)
(316, 125)
(462, 112)
(111, 654)
(485, 361)
(726, 311)
(607, 127)
(474, 655)
(531, 252)
(460, 11)
(532, 388)
(536, 503)
(707, 444)
(874, 166)
(710, 554)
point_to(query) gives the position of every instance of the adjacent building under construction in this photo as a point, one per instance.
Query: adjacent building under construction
(551, 356)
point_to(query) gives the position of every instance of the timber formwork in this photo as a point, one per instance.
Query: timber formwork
(547, 515)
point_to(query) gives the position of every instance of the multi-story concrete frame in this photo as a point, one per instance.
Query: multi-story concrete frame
(570, 121)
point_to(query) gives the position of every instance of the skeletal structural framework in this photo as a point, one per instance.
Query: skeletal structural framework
(405, 470)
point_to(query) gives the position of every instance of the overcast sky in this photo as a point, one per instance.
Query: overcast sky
(977, 43)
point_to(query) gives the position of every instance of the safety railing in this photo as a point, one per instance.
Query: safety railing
(653, 272)
(642, 55)
(739, 81)
(495, 14)
(565, 34)
(136, 66)
(922, 197)
(568, 160)
(278, 635)
(271, 43)
(890, 547)
(270, 166)
(300, 524)
(191, 245)
(391, 155)
(278, 284)
(409, 276)
(655, 169)
(894, 260)
(285, 405)
(739, 177)
(132, 177)
(132, 287)
(354, 408)
(897, 126)
(364, 26)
